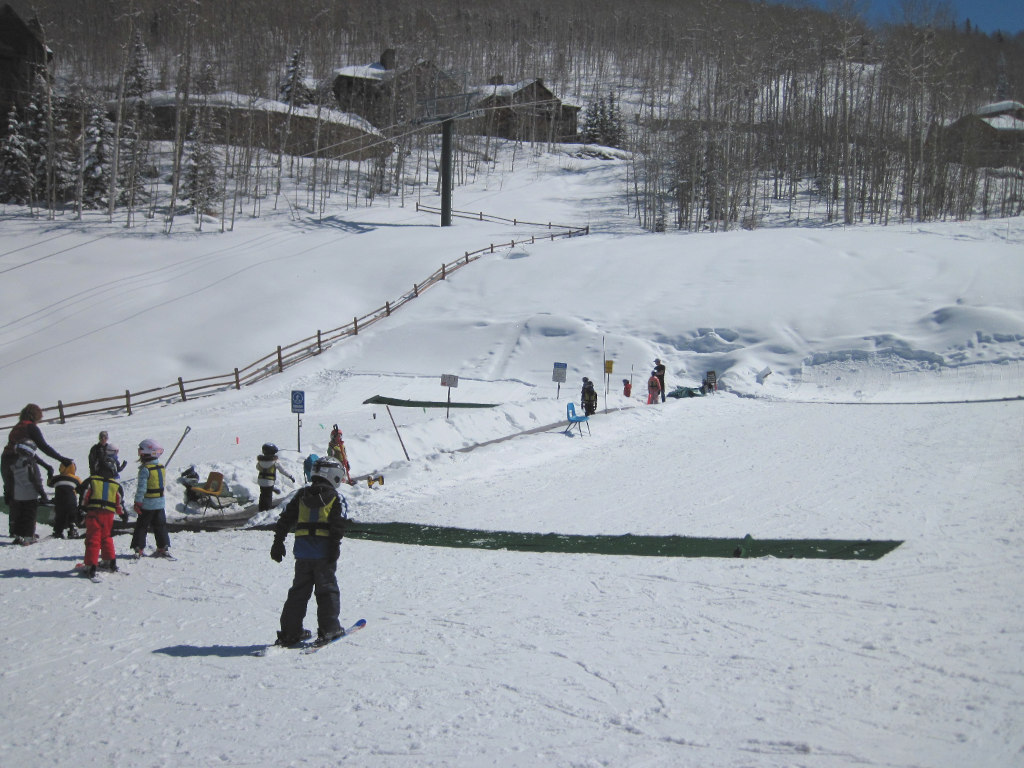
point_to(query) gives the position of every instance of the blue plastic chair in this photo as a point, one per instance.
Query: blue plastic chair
(579, 421)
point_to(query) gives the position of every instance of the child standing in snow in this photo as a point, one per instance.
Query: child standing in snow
(336, 450)
(149, 501)
(319, 515)
(65, 501)
(267, 467)
(28, 491)
(102, 498)
(627, 388)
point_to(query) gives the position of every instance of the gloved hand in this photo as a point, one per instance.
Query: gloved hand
(65, 460)
(44, 499)
(334, 551)
(277, 551)
(138, 507)
(124, 515)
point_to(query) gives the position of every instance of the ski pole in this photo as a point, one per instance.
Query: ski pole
(168, 463)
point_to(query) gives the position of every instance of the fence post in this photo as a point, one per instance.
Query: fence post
(444, 273)
(515, 222)
(481, 215)
(181, 388)
(238, 384)
(60, 410)
(128, 401)
(415, 291)
(492, 247)
(355, 326)
(387, 309)
(319, 342)
(280, 360)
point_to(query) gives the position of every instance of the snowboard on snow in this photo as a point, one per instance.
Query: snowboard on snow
(305, 645)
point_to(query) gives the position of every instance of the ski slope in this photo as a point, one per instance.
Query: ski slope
(892, 411)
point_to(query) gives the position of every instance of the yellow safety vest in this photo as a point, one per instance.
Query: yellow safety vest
(313, 522)
(103, 494)
(155, 482)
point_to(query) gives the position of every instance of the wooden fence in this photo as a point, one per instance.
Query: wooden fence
(290, 354)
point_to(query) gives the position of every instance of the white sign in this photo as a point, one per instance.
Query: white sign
(449, 380)
(558, 374)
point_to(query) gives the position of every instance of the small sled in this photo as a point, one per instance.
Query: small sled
(211, 495)
(371, 479)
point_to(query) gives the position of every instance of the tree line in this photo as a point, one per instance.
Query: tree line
(724, 105)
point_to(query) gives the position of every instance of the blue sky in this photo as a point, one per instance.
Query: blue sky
(988, 15)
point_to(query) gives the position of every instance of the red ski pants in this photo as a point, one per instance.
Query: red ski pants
(98, 540)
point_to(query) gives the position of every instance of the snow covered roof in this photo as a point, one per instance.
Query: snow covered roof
(374, 71)
(1005, 123)
(999, 108)
(239, 101)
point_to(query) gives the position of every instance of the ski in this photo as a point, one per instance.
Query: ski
(313, 647)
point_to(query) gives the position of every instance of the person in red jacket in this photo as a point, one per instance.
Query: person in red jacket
(653, 388)
(102, 498)
(627, 388)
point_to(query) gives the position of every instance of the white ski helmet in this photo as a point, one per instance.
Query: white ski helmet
(150, 450)
(329, 470)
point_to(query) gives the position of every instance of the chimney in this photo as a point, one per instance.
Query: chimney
(387, 59)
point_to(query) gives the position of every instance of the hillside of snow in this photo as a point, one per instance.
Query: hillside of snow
(892, 410)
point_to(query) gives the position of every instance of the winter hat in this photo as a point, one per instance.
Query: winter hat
(657, 360)
(269, 449)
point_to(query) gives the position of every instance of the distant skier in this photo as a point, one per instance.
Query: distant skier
(653, 388)
(336, 450)
(149, 501)
(627, 388)
(659, 371)
(588, 397)
(267, 467)
(319, 515)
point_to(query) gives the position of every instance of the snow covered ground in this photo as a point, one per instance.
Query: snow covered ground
(889, 414)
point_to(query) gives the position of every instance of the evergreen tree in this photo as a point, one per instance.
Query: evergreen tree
(602, 123)
(16, 170)
(293, 88)
(201, 186)
(97, 138)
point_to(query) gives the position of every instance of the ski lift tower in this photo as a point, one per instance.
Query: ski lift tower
(445, 110)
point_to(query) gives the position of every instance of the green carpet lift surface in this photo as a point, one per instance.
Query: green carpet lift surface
(628, 544)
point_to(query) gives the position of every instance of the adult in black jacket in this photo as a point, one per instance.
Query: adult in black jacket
(26, 429)
(318, 514)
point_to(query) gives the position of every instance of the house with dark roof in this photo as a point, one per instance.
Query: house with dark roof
(21, 51)
(524, 111)
(990, 137)
(387, 95)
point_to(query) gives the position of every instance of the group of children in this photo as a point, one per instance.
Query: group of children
(91, 503)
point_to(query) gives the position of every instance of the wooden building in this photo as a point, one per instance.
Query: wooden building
(524, 111)
(264, 123)
(22, 51)
(991, 137)
(388, 96)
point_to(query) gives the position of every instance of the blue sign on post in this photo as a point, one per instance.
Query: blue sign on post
(298, 401)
